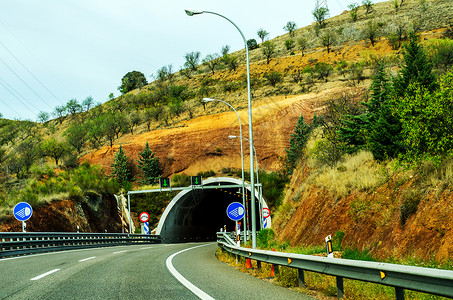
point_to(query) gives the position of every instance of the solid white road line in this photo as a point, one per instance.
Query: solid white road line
(85, 259)
(184, 281)
(45, 274)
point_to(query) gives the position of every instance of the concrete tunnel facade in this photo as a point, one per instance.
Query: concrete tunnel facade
(196, 215)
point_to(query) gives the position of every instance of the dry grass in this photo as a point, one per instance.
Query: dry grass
(356, 172)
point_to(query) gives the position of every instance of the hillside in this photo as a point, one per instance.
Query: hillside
(195, 138)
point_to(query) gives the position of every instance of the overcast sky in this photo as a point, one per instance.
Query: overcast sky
(54, 50)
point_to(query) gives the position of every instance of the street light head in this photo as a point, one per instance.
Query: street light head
(232, 137)
(208, 100)
(192, 12)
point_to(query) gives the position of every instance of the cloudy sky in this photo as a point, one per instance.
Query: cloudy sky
(54, 50)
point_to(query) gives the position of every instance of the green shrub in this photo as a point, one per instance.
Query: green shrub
(180, 180)
(287, 277)
(355, 254)
(273, 78)
(263, 238)
(337, 239)
(206, 174)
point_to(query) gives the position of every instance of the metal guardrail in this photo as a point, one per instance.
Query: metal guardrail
(14, 243)
(427, 280)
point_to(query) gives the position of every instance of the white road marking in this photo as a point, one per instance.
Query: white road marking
(45, 274)
(184, 281)
(119, 251)
(85, 259)
(53, 253)
(146, 248)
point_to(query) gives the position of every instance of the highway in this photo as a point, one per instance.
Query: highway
(161, 271)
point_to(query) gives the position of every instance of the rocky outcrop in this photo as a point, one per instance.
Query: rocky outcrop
(93, 213)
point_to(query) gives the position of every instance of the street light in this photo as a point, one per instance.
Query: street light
(242, 155)
(191, 12)
(260, 189)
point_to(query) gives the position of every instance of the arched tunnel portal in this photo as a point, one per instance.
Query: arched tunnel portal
(197, 214)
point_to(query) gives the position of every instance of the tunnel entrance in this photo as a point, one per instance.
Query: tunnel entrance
(197, 214)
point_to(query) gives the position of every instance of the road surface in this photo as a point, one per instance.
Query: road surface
(163, 271)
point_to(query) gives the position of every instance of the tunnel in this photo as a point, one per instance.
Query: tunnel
(197, 214)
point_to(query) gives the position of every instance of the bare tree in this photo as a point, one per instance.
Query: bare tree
(192, 60)
(268, 49)
(303, 44)
(212, 61)
(371, 32)
(290, 27)
(328, 39)
(262, 34)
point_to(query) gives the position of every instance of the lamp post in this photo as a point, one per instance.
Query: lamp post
(260, 189)
(242, 155)
(252, 176)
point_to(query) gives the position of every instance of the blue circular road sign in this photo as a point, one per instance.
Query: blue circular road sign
(22, 211)
(235, 211)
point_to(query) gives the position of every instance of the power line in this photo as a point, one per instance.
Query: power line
(26, 84)
(37, 59)
(6, 104)
(8, 88)
(31, 74)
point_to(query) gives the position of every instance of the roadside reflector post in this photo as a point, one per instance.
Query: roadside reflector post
(340, 288)
(329, 246)
(301, 277)
(399, 293)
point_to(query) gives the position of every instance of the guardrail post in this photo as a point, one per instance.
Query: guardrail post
(399, 293)
(258, 265)
(301, 277)
(340, 288)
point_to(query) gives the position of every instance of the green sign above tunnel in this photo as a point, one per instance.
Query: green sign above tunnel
(195, 180)
(164, 182)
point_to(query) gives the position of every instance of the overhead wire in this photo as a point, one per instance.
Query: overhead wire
(29, 72)
(38, 60)
(6, 104)
(9, 88)
(23, 81)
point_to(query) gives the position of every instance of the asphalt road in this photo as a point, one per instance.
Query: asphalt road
(132, 272)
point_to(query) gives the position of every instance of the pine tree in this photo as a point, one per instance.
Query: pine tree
(120, 170)
(297, 142)
(416, 69)
(317, 121)
(383, 127)
(149, 165)
(352, 132)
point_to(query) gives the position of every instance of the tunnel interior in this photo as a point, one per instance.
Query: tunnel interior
(196, 215)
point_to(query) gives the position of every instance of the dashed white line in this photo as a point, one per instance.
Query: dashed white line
(45, 274)
(184, 281)
(119, 251)
(146, 248)
(85, 259)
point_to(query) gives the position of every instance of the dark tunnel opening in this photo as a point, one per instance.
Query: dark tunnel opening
(200, 213)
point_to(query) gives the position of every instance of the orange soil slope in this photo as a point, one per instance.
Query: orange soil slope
(202, 144)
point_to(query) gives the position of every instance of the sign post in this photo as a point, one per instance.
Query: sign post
(22, 212)
(236, 211)
(144, 218)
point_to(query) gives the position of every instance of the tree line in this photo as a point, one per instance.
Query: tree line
(408, 117)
